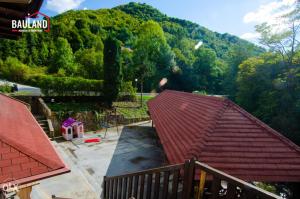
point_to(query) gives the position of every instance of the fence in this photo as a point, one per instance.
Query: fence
(179, 182)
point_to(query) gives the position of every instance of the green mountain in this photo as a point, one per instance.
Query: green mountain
(74, 48)
(179, 28)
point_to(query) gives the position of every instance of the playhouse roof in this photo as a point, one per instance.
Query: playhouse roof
(26, 154)
(68, 122)
(218, 132)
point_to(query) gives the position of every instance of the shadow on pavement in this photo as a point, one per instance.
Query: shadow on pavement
(138, 149)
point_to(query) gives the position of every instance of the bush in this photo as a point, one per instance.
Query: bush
(14, 70)
(5, 88)
(127, 92)
(62, 85)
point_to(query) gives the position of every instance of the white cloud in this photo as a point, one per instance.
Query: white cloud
(60, 6)
(85, 8)
(250, 36)
(271, 13)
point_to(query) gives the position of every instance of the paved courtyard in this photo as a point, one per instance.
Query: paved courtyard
(135, 148)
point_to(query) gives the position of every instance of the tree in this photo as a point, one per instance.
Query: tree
(282, 37)
(248, 89)
(208, 70)
(152, 54)
(14, 70)
(63, 57)
(234, 57)
(91, 63)
(112, 70)
(271, 92)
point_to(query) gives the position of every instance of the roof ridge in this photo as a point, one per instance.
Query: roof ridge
(264, 126)
(209, 128)
(197, 95)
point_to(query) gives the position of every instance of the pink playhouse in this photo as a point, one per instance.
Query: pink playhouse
(72, 128)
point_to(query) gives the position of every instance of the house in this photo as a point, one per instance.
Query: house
(221, 134)
(26, 153)
(71, 128)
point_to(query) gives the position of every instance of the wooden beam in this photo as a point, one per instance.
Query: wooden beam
(5, 22)
(9, 36)
(12, 13)
(8, 31)
(16, 1)
(5, 28)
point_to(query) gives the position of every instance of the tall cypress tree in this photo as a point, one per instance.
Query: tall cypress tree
(112, 70)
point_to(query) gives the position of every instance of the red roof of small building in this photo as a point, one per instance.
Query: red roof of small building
(26, 154)
(221, 134)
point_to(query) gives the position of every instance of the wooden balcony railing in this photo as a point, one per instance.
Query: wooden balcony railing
(236, 188)
(179, 182)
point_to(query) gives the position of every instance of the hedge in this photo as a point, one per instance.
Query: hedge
(50, 83)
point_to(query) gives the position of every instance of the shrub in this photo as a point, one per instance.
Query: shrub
(5, 88)
(14, 70)
(127, 92)
(62, 85)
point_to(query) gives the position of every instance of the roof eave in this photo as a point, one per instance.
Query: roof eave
(38, 177)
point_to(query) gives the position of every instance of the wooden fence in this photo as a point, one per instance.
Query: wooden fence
(179, 182)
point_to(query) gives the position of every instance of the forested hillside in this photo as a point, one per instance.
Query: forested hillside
(74, 48)
(154, 46)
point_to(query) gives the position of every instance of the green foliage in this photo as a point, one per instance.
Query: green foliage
(267, 187)
(63, 57)
(270, 91)
(127, 92)
(72, 106)
(14, 70)
(208, 69)
(132, 110)
(5, 88)
(152, 56)
(234, 57)
(62, 85)
(74, 46)
(90, 63)
(112, 70)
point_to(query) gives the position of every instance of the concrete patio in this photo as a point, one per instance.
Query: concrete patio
(136, 148)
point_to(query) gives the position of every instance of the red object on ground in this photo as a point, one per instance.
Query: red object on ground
(26, 154)
(92, 140)
(221, 134)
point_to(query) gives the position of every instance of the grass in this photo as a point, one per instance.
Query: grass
(133, 109)
(128, 109)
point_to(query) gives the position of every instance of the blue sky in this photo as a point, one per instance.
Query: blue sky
(237, 17)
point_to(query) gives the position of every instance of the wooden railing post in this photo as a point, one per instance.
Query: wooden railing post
(216, 185)
(149, 186)
(130, 187)
(189, 174)
(104, 187)
(156, 185)
(231, 191)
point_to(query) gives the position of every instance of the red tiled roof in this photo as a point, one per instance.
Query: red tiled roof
(26, 153)
(218, 132)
